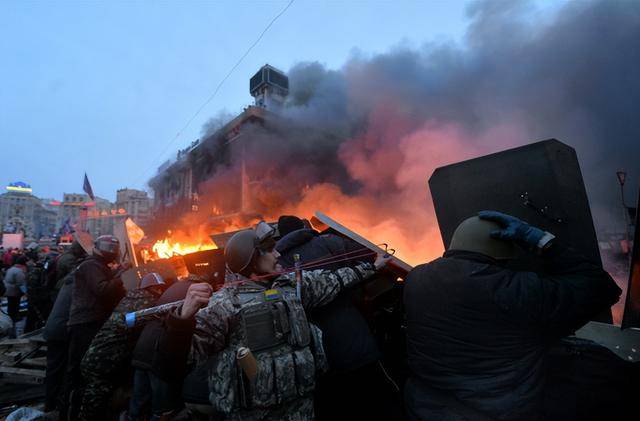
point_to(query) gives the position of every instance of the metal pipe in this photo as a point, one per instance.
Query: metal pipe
(143, 316)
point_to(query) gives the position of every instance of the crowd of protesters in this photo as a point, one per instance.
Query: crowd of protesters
(276, 344)
(29, 276)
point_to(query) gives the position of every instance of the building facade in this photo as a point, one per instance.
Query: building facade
(136, 203)
(21, 211)
(78, 211)
(227, 177)
(177, 185)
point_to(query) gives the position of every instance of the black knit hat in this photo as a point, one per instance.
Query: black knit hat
(289, 223)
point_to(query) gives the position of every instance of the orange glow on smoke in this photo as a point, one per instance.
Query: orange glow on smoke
(394, 204)
(390, 161)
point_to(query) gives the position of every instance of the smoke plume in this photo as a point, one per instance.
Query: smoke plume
(360, 142)
(516, 79)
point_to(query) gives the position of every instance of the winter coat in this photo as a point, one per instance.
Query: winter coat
(115, 341)
(56, 327)
(347, 339)
(95, 292)
(108, 356)
(67, 262)
(7, 259)
(218, 333)
(477, 333)
(153, 352)
(14, 280)
(311, 245)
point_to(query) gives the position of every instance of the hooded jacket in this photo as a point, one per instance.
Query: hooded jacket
(14, 279)
(95, 292)
(56, 327)
(153, 350)
(347, 339)
(67, 262)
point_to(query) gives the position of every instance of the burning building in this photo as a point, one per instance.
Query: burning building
(237, 173)
(359, 142)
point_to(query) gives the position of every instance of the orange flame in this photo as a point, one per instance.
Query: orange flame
(167, 248)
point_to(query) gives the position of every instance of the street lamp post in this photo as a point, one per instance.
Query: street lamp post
(622, 175)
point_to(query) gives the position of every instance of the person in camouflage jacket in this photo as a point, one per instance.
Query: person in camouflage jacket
(263, 310)
(110, 351)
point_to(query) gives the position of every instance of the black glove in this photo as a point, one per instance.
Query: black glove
(514, 229)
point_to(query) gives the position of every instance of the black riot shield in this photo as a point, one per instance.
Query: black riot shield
(540, 183)
(208, 264)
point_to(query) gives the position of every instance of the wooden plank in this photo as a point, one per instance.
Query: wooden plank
(23, 371)
(33, 334)
(27, 355)
(401, 267)
(14, 342)
(10, 356)
(13, 379)
(36, 362)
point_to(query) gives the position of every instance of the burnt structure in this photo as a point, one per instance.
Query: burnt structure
(230, 173)
(176, 185)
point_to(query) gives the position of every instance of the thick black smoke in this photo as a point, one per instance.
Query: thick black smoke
(360, 142)
(374, 130)
(519, 77)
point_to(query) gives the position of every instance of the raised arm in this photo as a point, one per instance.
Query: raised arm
(320, 287)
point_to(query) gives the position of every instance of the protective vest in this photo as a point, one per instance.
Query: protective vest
(272, 323)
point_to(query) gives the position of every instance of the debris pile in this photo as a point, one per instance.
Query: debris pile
(22, 370)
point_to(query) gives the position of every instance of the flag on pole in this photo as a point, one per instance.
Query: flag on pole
(135, 233)
(86, 186)
(66, 227)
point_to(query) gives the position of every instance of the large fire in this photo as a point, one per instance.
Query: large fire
(167, 248)
(180, 243)
(392, 206)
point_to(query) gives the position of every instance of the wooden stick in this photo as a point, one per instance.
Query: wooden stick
(24, 371)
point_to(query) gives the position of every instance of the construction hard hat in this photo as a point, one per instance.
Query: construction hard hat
(151, 279)
(474, 234)
(243, 245)
(107, 247)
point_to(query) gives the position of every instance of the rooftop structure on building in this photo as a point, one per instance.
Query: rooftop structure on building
(269, 87)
